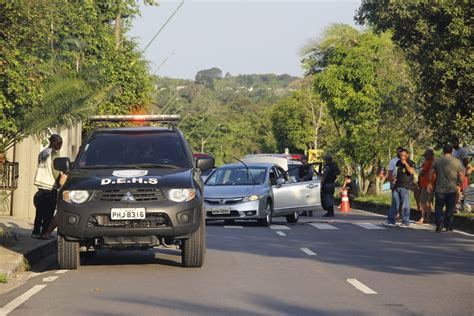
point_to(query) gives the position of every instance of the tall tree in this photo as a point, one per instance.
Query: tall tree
(437, 38)
(360, 77)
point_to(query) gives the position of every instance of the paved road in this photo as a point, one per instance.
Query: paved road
(349, 266)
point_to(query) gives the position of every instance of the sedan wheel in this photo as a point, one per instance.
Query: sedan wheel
(267, 221)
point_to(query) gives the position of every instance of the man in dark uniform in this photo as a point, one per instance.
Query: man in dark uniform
(328, 180)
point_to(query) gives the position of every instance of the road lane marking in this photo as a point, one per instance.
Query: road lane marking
(279, 227)
(323, 226)
(233, 227)
(361, 286)
(369, 213)
(280, 233)
(369, 226)
(308, 252)
(5, 310)
(50, 279)
(62, 271)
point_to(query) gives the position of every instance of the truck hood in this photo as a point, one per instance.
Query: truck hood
(107, 179)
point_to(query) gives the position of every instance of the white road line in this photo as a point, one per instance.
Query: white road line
(280, 233)
(308, 252)
(61, 271)
(232, 227)
(361, 286)
(323, 226)
(369, 226)
(50, 279)
(279, 227)
(5, 310)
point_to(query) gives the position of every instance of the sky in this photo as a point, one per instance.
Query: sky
(239, 37)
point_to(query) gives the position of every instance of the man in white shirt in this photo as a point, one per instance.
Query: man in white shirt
(45, 179)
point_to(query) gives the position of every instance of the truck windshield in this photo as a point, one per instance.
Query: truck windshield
(128, 149)
(237, 176)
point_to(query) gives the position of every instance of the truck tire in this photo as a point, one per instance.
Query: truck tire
(194, 248)
(68, 254)
(293, 217)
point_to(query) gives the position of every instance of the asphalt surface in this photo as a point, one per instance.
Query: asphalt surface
(325, 268)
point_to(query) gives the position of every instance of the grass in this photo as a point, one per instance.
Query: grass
(3, 278)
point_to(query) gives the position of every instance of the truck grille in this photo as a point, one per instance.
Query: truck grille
(152, 220)
(139, 195)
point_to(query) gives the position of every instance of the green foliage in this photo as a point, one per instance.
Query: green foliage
(437, 39)
(208, 76)
(3, 278)
(56, 45)
(230, 119)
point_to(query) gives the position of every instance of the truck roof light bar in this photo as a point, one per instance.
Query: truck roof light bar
(136, 118)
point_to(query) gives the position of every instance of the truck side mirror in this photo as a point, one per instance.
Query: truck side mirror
(280, 181)
(62, 164)
(205, 163)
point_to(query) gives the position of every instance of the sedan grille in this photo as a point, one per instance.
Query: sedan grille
(223, 201)
(152, 220)
(139, 195)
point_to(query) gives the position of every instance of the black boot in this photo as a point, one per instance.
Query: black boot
(330, 212)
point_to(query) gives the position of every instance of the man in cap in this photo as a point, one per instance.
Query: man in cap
(45, 180)
(328, 180)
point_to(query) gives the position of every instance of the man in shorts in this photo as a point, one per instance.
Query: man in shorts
(426, 198)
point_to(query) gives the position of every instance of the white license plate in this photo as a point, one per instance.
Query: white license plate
(127, 213)
(220, 211)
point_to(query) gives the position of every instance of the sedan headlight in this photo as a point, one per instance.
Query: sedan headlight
(75, 196)
(181, 195)
(251, 198)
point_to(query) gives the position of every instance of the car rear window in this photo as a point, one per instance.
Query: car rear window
(134, 148)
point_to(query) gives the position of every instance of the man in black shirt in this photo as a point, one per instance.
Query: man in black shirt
(328, 180)
(404, 170)
(350, 186)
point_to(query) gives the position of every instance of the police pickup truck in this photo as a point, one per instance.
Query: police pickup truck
(132, 187)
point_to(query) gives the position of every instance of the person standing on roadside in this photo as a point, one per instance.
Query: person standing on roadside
(448, 173)
(461, 154)
(45, 179)
(404, 170)
(426, 198)
(328, 186)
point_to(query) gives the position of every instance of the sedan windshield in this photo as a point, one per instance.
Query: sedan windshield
(134, 149)
(237, 176)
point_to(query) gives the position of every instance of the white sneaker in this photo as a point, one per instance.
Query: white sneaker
(404, 225)
(389, 224)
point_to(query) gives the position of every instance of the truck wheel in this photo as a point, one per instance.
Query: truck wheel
(293, 217)
(194, 248)
(68, 254)
(267, 221)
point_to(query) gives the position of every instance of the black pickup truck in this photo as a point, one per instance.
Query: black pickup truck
(132, 187)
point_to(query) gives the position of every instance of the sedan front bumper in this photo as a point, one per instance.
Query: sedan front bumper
(241, 210)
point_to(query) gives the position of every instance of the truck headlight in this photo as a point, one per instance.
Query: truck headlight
(251, 198)
(75, 196)
(181, 195)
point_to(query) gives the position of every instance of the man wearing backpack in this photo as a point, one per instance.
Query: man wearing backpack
(328, 180)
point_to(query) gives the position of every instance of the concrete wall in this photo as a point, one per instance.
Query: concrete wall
(26, 154)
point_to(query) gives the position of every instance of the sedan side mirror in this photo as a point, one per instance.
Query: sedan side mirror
(205, 163)
(62, 164)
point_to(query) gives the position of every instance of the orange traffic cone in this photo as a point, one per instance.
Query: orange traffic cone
(345, 206)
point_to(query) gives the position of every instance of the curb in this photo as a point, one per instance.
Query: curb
(24, 261)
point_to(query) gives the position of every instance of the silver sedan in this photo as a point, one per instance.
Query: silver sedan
(258, 191)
